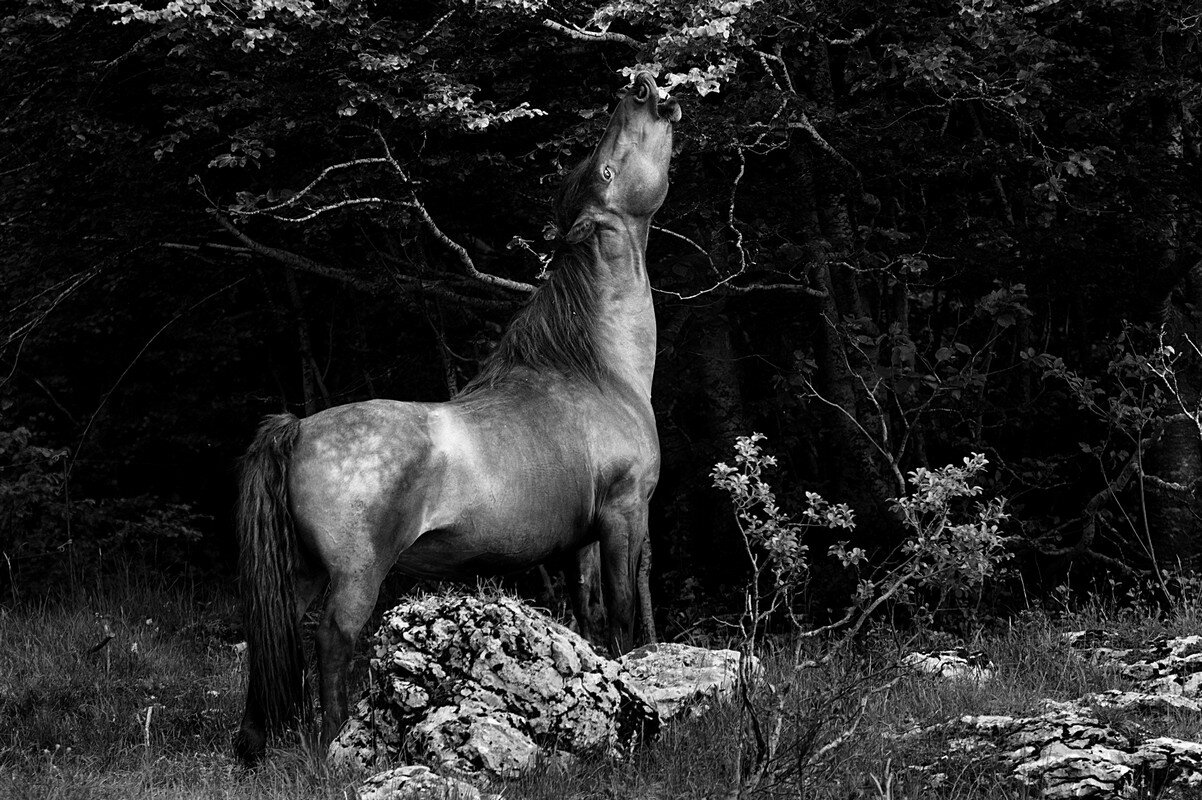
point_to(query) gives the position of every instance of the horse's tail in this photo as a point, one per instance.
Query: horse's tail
(267, 560)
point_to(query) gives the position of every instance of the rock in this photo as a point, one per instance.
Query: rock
(416, 782)
(1092, 638)
(487, 687)
(960, 664)
(1140, 701)
(1161, 666)
(1068, 753)
(678, 677)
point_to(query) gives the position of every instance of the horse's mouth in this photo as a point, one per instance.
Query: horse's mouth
(668, 109)
(645, 90)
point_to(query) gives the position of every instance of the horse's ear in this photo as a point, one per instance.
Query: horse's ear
(581, 229)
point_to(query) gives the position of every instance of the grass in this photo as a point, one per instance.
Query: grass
(75, 711)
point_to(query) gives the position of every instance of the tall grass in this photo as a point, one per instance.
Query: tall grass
(131, 691)
(79, 679)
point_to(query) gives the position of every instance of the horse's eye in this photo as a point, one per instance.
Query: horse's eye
(607, 173)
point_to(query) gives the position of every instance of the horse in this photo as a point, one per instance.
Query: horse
(550, 448)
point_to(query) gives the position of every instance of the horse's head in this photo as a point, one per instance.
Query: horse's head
(627, 174)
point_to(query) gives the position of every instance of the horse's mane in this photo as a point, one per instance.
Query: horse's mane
(555, 330)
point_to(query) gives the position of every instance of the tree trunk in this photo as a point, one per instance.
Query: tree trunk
(1173, 517)
(316, 396)
(1177, 456)
(845, 373)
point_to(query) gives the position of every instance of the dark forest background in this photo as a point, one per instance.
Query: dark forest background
(898, 233)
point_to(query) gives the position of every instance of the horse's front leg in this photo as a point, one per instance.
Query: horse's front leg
(582, 573)
(623, 530)
(352, 598)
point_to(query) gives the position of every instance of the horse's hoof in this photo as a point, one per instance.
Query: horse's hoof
(249, 746)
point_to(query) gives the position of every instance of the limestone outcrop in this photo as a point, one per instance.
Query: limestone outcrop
(679, 678)
(489, 688)
(956, 664)
(416, 782)
(1066, 750)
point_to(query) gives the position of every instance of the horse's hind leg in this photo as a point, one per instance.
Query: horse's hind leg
(352, 598)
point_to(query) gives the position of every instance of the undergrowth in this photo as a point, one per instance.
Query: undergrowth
(78, 680)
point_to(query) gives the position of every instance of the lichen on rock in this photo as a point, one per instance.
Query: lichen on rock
(415, 782)
(678, 677)
(1166, 665)
(487, 687)
(957, 664)
(1068, 753)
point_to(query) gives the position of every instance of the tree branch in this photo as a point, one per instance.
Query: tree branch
(458, 249)
(296, 198)
(464, 257)
(765, 58)
(776, 287)
(574, 32)
(858, 36)
(241, 252)
(408, 284)
(297, 261)
(803, 123)
(405, 284)
(352, 201)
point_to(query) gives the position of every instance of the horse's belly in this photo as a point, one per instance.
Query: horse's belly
(486, 545)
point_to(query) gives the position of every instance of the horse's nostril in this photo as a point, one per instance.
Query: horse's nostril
(641, 92)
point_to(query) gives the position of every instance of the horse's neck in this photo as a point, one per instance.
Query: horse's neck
(626, 315)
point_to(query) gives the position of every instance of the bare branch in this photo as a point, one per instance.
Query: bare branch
(724, 287)
(574, 32)
(437, 24)
(1089, 515)
(296, 198)
(389, 161)
(71, 284)
(464, 257)
(886, 447)
(730, 213)
(813, 392)
(725, 284)
(776, 287)
(241, 252)
(855, 38)
(297, 261)
(804, 124)
(687, 241)
(353, 201)
(844, 735)
(55, 401)
(407, 284)
(765, 58)
(458, 249)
